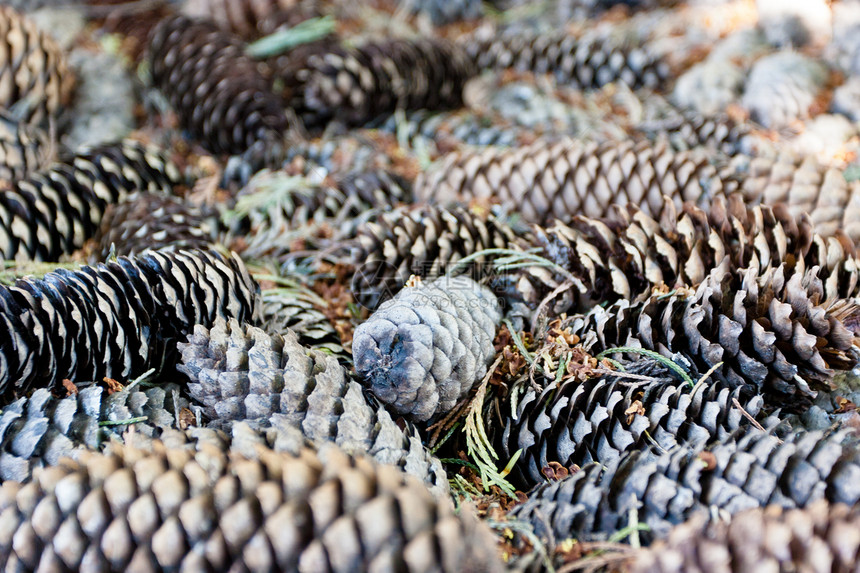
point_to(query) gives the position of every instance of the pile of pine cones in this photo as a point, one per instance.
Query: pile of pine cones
(424, 285)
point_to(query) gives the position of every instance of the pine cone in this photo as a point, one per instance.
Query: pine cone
(818, 537)
(242, 373)
(561, 179)
(204, 510)
(355, 85)
(782, 87)
(587, 62)
(217, 91)
(54, 211)
(117, 319)
(443, 12)
(423, 351)
(250, 19)
(40, 430)
(447, 131)
(668, 489)
(769, 330)
(34, 73)
(284, 310)
(153, 221)
(600, 419)
(23, 149)
(425, 241)
(688, 129)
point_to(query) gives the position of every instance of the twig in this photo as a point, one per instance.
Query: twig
(749, 417)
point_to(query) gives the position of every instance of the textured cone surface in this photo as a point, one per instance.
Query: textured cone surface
(422, 352)
(242, 373)
(577, 423)
(358, 84)
(820, 537)
(668, 489)
(772, 332)
(781, 88)
(285, 310)
(447, 130)
(54, 211)
(205, 510)
(34, 75)
(217, 91)
(425, 241)
(153, 221)
(561, 179)
(40, 430)
(23, 149)
(689, 129)
(585, 62)
(628, 253)
(117, 319)
(249, 18)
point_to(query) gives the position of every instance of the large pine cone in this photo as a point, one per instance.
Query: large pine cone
(180, 509)
(217, 91)
(688, 129)
(23, 149)
(771, 330)
(155, 221)
(587, 62)
(118, 319)
(597, 420)
(53, 212)
(34, 73)
(241, 373)
(422, 352)
(355, 85)
(820, 537)
(668, 489)
(285, 309)
(40, 429)
(425, 241)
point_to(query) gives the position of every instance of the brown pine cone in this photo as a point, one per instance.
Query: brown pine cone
(355, 85)
(667, 489)
(250, 19)
(772, 330)
(217, 91)
(206, 510)
(155, 221)
(23, 149)
(426, 241)
(37, 82)
(54, 211)
(587, 62)
(820, 537)
(689, 129)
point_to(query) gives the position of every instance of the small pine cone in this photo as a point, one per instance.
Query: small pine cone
(242, 373)
(154, 221)
(782, 87)
(249, 19)
(423, 351)
(627, 254)
(447, 130)
(561, 179)
(764, 329)
(23, 149)
(285, 310)
(217, 91)
(180, 509)
(35, 76)
(118, 319)
(688, 129)
(598, 420)
(443, 12)
(820, 537)
(424, 241)
(356, 85)
(668, 489)
(40, 430)
(54, 211)
(590, 61)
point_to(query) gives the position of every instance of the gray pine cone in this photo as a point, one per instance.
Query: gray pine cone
(597, 420)
(782, 87)
(181, 509)
(40, 430)
(117, 319)
(820, 537)
(242, 373)
(757, 470)
(423, 351)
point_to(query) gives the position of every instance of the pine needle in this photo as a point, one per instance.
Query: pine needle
(650, 354)
(285, 40)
